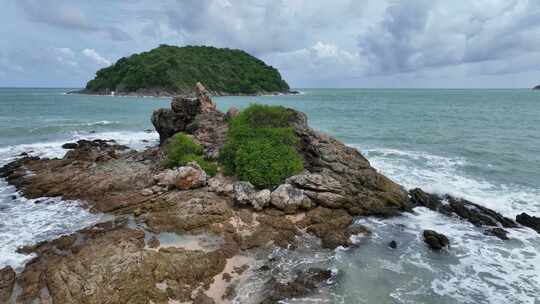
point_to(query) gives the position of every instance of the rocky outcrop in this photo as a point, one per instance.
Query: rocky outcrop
(532, 222)
(305, 283)
(478, 215)
(333, 227)
(109, 264)
(7, 282)
(435, 240)
(536, 87)
(339, 176)
(197, 116)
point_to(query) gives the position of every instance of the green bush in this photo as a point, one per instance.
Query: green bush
(260, 146)
(182, 150)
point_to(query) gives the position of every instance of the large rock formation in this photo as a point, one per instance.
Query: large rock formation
(197, 116)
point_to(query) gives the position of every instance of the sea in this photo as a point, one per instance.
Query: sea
(479, 144)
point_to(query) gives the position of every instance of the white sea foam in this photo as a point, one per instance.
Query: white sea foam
(476, 269)
(444, 175)
(25, 222)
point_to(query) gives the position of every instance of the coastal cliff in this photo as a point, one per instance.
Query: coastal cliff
(171, 70)
(186, 234)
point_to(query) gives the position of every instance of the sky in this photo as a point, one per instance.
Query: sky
(313, 43)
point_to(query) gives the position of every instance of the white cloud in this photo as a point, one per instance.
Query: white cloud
(96, 57)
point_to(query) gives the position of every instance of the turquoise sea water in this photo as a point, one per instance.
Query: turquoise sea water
(483, 145)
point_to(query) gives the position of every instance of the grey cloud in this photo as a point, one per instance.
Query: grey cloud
(416, 35)
(66, 15)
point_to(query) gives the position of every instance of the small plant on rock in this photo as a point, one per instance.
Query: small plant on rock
(182, 150)
(261, 145)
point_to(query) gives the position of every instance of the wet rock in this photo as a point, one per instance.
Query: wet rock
(392, 244)
(70, 146)
(7, 282)
(476, 214)
(532, 222)
(153, 242)
(333, 227)
(96, 150)
(109, 264)
(305, 283)
(435, 240)
(288, 198)
(498, 232)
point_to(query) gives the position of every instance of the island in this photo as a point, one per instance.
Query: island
(170, 70)
(536, 87)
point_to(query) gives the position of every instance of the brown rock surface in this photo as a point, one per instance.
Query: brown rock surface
(7, 282)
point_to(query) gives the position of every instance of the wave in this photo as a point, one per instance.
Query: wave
(446, 175)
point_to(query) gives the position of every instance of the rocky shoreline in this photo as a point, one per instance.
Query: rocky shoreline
(158, 93)
(181, 236)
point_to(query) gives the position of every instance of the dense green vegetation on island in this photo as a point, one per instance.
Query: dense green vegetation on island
(169, 70)
(261, 146)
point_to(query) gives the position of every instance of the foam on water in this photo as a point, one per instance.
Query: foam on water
(26, 222)
(446, 175)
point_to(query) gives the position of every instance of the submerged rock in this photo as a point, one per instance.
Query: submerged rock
(532, 222)
(392, 244)
(435, 240)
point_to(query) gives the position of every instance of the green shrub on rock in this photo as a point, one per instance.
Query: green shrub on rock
(260, 146)
(182, 150)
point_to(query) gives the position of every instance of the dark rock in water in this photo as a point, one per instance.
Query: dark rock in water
(498, 232)
(536, 87)
(23, 154)
(532, 222)
(7, 282)
(449, 205)
(70, 146)
(435, 240)
(392, 244)
(304, 284)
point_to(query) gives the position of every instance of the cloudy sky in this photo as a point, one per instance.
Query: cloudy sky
(314, 43)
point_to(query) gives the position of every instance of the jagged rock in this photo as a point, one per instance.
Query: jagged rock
(96, 150)
(532, 222)
(449, 205)
(183, 178)
(288, 198)
(232, 113)
(7, 282)
(304, 284)
(354, 184)
(197, 116)
(435, 240)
